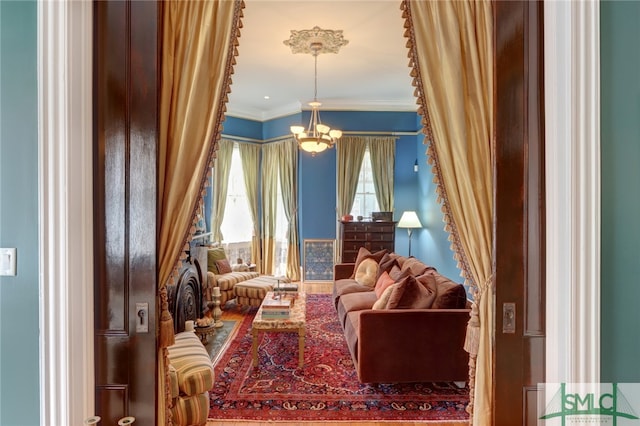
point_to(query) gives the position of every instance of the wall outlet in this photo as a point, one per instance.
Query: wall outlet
(7, 261)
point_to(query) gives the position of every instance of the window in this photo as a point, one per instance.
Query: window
(237, 226)
(365, 200)
(281, 239)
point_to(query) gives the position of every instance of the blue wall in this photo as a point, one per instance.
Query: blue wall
(620, 91)
(19, 327)
(317, 180)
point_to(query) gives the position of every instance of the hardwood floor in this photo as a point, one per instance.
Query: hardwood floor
(319, 288)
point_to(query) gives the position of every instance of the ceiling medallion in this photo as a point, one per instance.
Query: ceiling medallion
(304, 41)
(317, 137)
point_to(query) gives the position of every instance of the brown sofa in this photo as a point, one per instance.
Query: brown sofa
(411, 331)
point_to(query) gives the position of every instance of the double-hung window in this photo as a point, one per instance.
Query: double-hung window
(237, 226)
(365, 200)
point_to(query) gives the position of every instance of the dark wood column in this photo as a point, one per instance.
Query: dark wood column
(125, 139)
(519, 209)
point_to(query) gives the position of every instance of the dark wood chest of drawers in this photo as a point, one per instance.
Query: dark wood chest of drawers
(374, 236)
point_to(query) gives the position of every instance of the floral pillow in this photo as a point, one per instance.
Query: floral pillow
(223, 266)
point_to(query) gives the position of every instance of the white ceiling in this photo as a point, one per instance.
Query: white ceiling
(370, 73)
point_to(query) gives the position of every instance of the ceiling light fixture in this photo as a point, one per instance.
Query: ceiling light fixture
(317, 137)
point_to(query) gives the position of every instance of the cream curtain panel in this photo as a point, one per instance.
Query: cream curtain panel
(288, 153)
(280, 159)
(451, 50)
(198, 54)
(350, 152)
(383, 155)
(221, 170)
(269, 199)
(250, 156)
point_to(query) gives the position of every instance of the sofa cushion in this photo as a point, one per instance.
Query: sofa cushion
(383, 282)
(223, 266)
(367, 272)
(449, 294)
(192, 410)
(363, 254)
(410, 294)
(351, 330)
(192, 364)
(346, 286)
(358, 301)
(214, 254)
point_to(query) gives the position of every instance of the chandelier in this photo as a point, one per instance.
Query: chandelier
(317, 137)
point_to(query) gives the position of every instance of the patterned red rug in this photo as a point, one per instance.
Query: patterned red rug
(326, 388)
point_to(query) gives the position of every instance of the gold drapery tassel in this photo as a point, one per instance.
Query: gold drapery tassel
(167, 336)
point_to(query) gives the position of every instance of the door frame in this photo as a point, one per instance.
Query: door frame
(572, 134)
(65, 199)
(65, 204)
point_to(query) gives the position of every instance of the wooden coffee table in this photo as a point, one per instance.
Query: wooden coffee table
(296, 323)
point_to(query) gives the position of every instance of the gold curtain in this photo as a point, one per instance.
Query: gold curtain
(450, 47)
(199, 42)
(269, 199)
(383, 158)
(288, 153)
(350, 152)
(221, 170)
(250, 156)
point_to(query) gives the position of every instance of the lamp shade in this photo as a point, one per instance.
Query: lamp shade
(409, 219)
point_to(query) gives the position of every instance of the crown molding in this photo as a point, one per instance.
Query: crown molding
(327, 105)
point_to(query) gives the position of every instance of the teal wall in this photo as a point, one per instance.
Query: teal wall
(19, 347)
(620, 84)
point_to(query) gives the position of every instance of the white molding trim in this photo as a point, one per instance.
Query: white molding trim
(572, 121)
(65, 200)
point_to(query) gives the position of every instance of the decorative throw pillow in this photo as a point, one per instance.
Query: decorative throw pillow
(449, 294)
(415, 266)
(395, 272)
(410, 294)
(383, 283)
(386, 263)
(383, 300)
(214, 254)
(367, 272)
(223, 266)
(363, 253)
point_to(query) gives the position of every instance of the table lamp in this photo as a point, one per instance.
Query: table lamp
(410, 221)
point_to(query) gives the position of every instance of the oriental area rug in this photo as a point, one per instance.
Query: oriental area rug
(326, 388)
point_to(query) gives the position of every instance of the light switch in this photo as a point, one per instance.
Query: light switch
(8, 261)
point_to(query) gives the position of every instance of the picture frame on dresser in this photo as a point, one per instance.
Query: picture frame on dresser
(319, 258)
